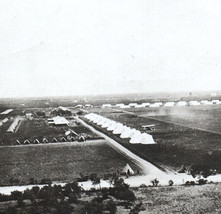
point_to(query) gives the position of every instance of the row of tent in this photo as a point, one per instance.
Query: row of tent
(167, 104)
(120, 129)
(54, 140)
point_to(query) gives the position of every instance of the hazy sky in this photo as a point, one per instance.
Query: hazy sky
(51, 47)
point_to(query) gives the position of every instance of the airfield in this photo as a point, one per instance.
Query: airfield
(183, 135)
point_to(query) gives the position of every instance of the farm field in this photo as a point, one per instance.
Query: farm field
(59, 162)
(182, 199)
(176, 144)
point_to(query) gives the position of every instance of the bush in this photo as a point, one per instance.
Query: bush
(121, 190)
(170, 183)
(46, 181)
(188, 183)
(202, 181)
(94, 207)
(111, 207)
(11, 210)
(137, 208)
(15, 195)
(155, 182)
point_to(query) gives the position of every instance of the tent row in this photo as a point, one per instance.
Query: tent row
(120, 129)
(167, 104)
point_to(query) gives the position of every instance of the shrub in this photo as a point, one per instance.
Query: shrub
(202, 181)
(170, 183)
(11, 210)
(111, 207)
(188, 183)
(46, 181)
(155, 182)
(94, 207)
(15, 195)
(137, 208)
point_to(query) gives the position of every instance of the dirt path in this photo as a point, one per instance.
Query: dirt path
(147, 167)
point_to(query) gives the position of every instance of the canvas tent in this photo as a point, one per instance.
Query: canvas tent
(106, 106)
(145, 104)
(119, 129)
(119, 105)
(44, 140)
(127, 170)
(125, 106)
(154, 105)
(36, 141)
(169, 104)
(181, 103)
(112, 126)
(132, 104)
(136, 138)
(126, 133)
(106, 123)
(147, 139)
(194, 103)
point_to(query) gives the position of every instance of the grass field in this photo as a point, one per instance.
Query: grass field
(201, 117)
(59, 162)
(191, 200)
(176, 144)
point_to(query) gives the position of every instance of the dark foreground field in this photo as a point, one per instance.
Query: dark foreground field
(176, 144)
(58, 162)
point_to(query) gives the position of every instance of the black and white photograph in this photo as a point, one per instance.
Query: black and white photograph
(110, 106)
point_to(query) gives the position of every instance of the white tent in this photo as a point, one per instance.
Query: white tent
(153, 105)
(203, 101)
(136, 138)
(216, 101)
(169, 104)
(126, 133)
(145, 104)
(139, 106)
(97, 119)
(147, 139)
(106, 123)
(125, 106)
(208, 103)
(102, 121)
(119, 105)
(112, 126)
(132, 132)
(194, 103)
(128, 170)
(106, 106)
(181, 103)
(119, 129)
(132, 104)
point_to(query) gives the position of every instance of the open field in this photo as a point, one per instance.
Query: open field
(202, 117)
(176, 144)
(59, 162)
(182, 199)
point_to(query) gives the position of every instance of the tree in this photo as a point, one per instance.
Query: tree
(111, 207)
(15, 195)
(95, 179)
(155, 182)
(170, 183)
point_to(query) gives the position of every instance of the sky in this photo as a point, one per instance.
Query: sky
(83, 47)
